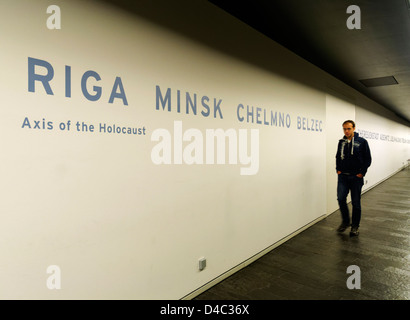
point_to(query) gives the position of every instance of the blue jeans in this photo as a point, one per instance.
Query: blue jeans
(354, 184)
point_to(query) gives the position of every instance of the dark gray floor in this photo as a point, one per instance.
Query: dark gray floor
(313, 265)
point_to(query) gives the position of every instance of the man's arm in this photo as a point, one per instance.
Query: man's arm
(338, 159)
(367, 159)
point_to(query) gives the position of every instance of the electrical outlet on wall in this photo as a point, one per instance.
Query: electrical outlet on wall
(201, 264)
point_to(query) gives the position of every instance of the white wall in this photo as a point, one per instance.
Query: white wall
(388, 142)
(96, 205)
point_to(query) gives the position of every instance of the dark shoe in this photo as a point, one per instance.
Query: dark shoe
(343, 227)
(354, 231)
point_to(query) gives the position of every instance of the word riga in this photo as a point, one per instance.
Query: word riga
(45, 79)
(193, 153)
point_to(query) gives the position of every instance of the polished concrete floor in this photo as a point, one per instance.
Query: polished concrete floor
(313, 265)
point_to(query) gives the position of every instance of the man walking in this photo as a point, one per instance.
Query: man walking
(352, 160)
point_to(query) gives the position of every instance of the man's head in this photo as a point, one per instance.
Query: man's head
(348, 128)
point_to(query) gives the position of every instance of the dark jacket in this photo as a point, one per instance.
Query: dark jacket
(353, 161)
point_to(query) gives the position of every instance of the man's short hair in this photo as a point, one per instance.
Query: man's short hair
(350, 121)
